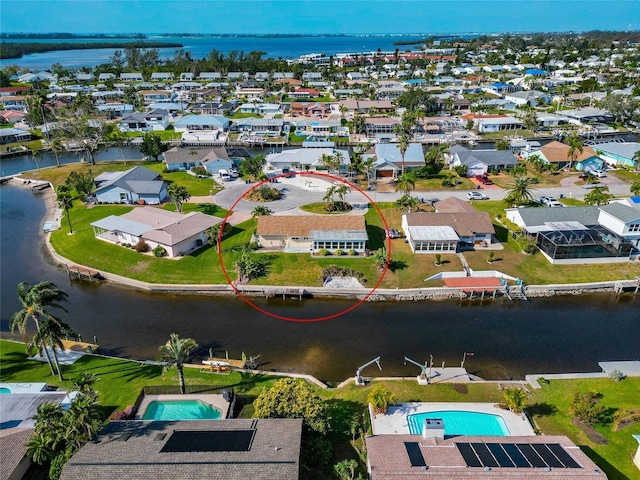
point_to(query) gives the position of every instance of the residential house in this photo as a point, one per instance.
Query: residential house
(550, 120)
(306, 158)
(304, 92)
(269, 109)
(131, 77)
(366, 107)
(201, 123)
(262, 76)
(618, 154)
(390, 90)
(388, 160)
(493, 123)
(587, 115)
(162, 76)
(247, 108)
(13, 135)
(186, 86)
(13, 91)
(320, 128)
(155, 120)
(38, 77)
(210, 76)
(250, 93)
(494, 68)
(313, 233)
(429, 457)
(531, 97)
(311, 109)
(380, 127)
(136, 185)
(103, 77)
(439, 232)
(84, 77)
(187, 77)
(557, 153)
(311, 76)
(479, 162)
(115, 109)
(233, 449)
(237, 76)
(212, 159)
(283, 75)
(13, 102)
(581, 235)
(153, 96)
(258, 126)
(11, 116)
(498, 88)
(178, 234)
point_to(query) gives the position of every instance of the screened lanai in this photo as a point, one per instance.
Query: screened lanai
(583, 245)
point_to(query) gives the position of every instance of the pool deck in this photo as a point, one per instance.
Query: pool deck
(216, 401)
(395, 420)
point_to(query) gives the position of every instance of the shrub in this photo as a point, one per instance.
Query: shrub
(339, 252)
(438, 258)
(200, 171)
(141, 246)
(543, 381)
(490, 256)
(323, 252)
(337, 271)
(461, 170)
(159, 251)
(617, 375)
(353, 253)
(448, 183)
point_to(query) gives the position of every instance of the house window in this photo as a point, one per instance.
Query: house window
(123, 196)
(634, 227)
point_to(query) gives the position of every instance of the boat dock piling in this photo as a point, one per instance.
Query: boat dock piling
(82, 273)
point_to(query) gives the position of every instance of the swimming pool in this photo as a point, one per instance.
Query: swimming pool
(460, 422)
(180, 410)
(4, 390)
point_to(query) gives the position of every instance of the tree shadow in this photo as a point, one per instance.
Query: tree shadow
(395, 265)
(612, 472)
(209, 209)
(502, 233)
(377, 237)
(542, 409)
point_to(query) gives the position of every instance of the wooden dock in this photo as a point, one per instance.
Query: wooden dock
(222, 365)
(77, 346)
(75, 271)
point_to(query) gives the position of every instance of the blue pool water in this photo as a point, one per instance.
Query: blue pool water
(181, 410)
(4, 390)
(457, 422)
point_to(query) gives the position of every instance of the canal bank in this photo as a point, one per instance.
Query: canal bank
(556, 335)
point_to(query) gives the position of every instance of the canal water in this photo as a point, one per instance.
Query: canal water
(508, 339)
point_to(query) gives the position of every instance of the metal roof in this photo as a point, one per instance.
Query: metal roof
(439, 233)
(622, 212)
(120, 224)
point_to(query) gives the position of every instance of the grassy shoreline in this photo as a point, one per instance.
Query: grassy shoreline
(120, 382)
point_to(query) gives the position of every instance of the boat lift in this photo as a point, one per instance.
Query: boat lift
(359, 379)
(423, 378)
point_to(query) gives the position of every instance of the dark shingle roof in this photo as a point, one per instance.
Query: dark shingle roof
(622, 212)
(130, 180)
(489, 157)
(273, 454)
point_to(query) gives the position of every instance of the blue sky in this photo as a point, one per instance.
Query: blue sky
(316, 16)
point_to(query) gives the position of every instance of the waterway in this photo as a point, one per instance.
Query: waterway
(508, 339)
(284, 47)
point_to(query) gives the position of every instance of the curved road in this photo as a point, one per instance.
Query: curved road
(306, 188)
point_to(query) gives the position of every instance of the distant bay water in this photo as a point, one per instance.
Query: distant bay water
(199, 47)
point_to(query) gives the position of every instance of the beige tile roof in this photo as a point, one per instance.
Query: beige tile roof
(190, 224)
(153, 216)
(557, 152)
(465, 224)
(12, 449)
(301, 225)
(454, 205)
(389, 460)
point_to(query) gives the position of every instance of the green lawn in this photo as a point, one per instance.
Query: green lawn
(120, 382)
(625, 175)
(195, 186)
(31, 145)
(549, 408)
(435, 183)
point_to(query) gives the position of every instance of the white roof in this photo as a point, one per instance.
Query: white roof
(439, 233)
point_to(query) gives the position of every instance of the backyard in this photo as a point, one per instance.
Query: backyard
(120, 382)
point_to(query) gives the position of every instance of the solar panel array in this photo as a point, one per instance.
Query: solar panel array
(518, 455)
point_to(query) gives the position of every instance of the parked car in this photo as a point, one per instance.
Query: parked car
(484, 179)
(234, 173)
(554, 204)
(477, 196)
(394, 233)
(546, 199)
(598, 173)
(224, 175)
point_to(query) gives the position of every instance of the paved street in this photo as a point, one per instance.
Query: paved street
(303, 189)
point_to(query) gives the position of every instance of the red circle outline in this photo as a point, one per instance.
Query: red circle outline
(293, 319)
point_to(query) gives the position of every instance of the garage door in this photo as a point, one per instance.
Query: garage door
(384, 173)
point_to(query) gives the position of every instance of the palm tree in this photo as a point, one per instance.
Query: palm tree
(406, 182)
(37, 155)
(178, 194)
(380, 397)
(326, 161)
(407, 203)
(83, 420)
(174, 354)
(575, 149)
(57, 147)
(338, 157)
(341, 192)
(514, 398)
(636, 159)
(35, 301)
(328, 196)
(380, 258)
(403, 144)
(435, 155)
(520, 191)
(49, 336)
(65, 201)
